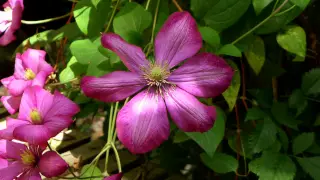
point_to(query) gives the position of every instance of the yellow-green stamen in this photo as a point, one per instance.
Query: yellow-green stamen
(28, 158)
(35, 116)
(29, 74)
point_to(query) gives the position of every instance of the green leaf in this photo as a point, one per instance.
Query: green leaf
(210, 140)
(223, 14)
(298, 101)
(73, 69)
(293, 40)
(283, 138)
(301, 3)
(220, 162)
(317, 121)
(180, 136)
(230, 50)
(255, 113)
(231, 94)
(131, 21)
(89, 171)
(273, 166)
(263, 136)
(86, 52)
(310, 165)
(210, 36)
(201, 7)
(259, 5)
(277, 22)
(302, 142)
(91, 16)
(298, 59)
(311, 82)
(314, 148)
(256, 54)
(275, 147)
(280, 112)
(244, 148)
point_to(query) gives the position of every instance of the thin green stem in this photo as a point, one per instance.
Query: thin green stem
(275, 5)
(115, 112)
(147, 5)
(112, 16)
(285, 11)
(45, 20)
(261, 23)
(117, 157)
(153, 28)
(110, 123)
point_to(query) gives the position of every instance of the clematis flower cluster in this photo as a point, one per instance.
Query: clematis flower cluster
(41, 116)
(10, 20)
(159, 87)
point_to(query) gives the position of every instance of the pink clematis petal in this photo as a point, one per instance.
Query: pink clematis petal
(187, 112)
(142, 124)
(5, 81)
(30, 175)
(51, 164)
(56, 124)
(32, 59)
(40, 79)
(12, 171)
(11, 150)
(11, 125)
(114, 177)
(17, 9)
(61, 106)
(177, 40)
(17, 86)
(36, 98)
(33, 134)
(204, 75)
(19, 70)
(112, 87)
(131, 55)
(3, 163)
(11, 103)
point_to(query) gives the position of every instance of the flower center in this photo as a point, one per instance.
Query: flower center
(156, 75)
(7, 9)
(28, 158)
(35, 117)
(29, 74)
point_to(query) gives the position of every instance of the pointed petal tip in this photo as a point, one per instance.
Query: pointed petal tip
(51, 164)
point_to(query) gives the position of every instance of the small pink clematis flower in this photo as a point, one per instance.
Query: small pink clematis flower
(42, 115)
(142, 124)
(18, 161)
(114, 177)
(10, 20)
(30, 69)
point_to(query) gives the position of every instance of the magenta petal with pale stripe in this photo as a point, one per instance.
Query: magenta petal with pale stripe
(11, 150)
(142, 124)
(132, 56)
(30, 175)
(17, 86)
(11, 124)
(12, 171)
(5, 81)
(51, 164)
(33, 134)
(204, 75)
(11, 103)
(177, 40)
(112, 87)
(187, 112)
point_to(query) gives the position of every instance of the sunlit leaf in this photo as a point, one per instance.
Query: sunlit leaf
(220, 162)
(256, 54)
(231, 94)
(230, 50)
(293, 40)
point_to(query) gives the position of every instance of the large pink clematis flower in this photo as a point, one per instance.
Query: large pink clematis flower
(30, 69)
(10, 20)
(114, 177)
(17, 161)
(42, 115)
(142, 124)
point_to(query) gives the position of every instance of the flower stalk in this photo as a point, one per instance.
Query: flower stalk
(45, 20)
